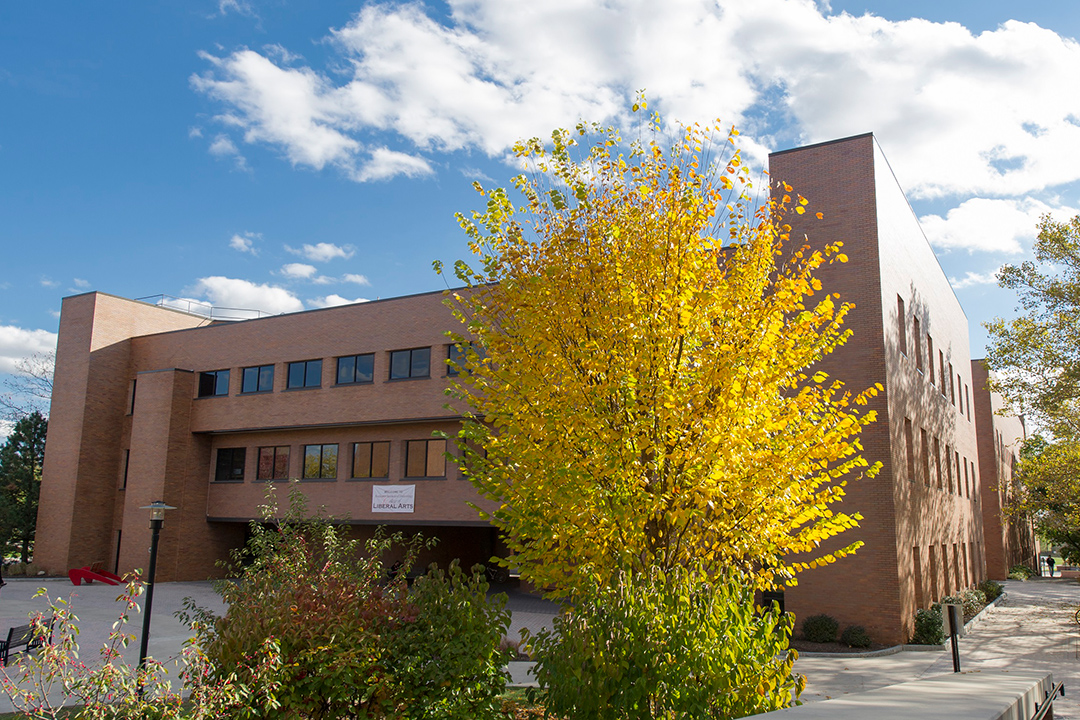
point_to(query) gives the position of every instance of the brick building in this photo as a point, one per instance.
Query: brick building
(153, 403)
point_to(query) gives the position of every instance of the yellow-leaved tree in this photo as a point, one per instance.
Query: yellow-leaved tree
(642, 394)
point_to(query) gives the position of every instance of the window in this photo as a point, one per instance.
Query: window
(230, 465)
(371, 460)
(901, 322)
(960, 394)
(941, 366)
(410, 363)
(920, 598)
(131, 397)
(457, 356)
(925, 446)
(320, 462)
(356, 369)
(127, 463)
(937, 460)
(967, 401)
(952, 389)
(930, 358)
(258, 379)
(967, 488)
(917, 336)
(948, 467)
(306, 374)
(273, 463)
(959, 490)
(213, 383)
(425, 458)
(909, 441)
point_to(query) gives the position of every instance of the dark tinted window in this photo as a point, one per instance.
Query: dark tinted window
(320, 461)
(425, 458)
(410, 363)
(273, 463)
(371, 460)
(230, 464)
(258, 379)
(305, 374)
(214, 382)
(356, 369)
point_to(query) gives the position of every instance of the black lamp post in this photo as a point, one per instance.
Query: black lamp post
(157, 517)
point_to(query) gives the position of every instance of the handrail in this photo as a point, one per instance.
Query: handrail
(1048, 702)
(203, 309)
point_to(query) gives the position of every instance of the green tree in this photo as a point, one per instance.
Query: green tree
(1036, 356)
(1048, 492)
(645, 397)
(21, 459)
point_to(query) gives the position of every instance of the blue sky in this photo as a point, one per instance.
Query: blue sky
(287, 155)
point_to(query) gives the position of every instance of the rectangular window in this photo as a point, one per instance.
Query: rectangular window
(127, 462)
(948, 467)
(941, 366)
(131, 397)
(230, 465)
(320, 462)
(273, 463)
(967, 487)
(355, 369)
(930, 358)
(258, 379)
(933, 574)
(960, 393)
(967, 401)
(371, 460)
(974, 483)
(425, 458)
(957, 570)
(214, 383)
(959, 490)
(952, 389)
(964, 558)
(947, 587)
(925, 447)
(916, 335)
(410, 363)
(305, 374)
(937, 460)
(920, 593)
(909, 442)
(457, 356)
(901, 324)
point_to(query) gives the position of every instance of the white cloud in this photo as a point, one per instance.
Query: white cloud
(957, 113)
(80, 283)
(324, 280)
(224, 147)
(49, 282)
(237, 293)
(1002, 225)
(971, 279)
(298, 270)
(17, 344)
(194, 132)
(385, 164)
(245, 243)
(333, 301)
(322, 252)
(240, 7)
(357, 279)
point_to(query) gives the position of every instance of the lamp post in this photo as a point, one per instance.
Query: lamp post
(157, 517)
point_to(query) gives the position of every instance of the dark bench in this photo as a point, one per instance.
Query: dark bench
(24, 638)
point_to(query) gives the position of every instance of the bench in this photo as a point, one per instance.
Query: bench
(24, 638)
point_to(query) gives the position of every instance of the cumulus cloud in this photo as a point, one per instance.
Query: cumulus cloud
(224, 147)
(18, 343)
(80, 283)
(245, 243)
(49, 282)
(236, 293)
(356, 279)
(333, 300)
(990, 225)
(298, 270)
(958, 113)
(322, 252)
(971, 279)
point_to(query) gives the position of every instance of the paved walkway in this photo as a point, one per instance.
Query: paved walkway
(1032, 630)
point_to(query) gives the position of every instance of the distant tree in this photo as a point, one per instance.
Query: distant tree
(1048, 492)
(1036, 356)
(29, 389)
(21, 459)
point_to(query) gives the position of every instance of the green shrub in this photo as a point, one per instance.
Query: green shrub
(674, 645)
(928, 628)
(855, 636)
(991, 589)
(1021, 572)
(820, 628)
(353, 641)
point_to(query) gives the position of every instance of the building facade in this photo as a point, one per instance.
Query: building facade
(153, 403)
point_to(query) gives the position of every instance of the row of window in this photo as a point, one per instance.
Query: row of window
(950, 577)
(937, 470)
(956, 393)
(351, 370)
(423, 459)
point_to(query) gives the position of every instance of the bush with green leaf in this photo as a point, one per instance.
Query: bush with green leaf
(820, 628)
(928, 627)
(666, 645)
(1021, 572)
(354, 641)
(855, 636)
(991, 589)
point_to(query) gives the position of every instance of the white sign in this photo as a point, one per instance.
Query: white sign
(392, 498)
